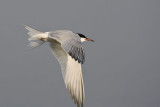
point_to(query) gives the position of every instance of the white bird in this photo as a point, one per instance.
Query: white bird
(67, 48)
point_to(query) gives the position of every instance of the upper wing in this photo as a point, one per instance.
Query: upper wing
(71, 43)
(72, 73)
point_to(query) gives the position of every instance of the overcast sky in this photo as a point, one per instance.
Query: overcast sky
(122, 67)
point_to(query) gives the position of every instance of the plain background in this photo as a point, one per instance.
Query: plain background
(122, 67)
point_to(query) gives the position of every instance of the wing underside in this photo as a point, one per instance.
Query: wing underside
(72, 73)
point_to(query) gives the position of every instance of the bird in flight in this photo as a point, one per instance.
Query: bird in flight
(67, 47)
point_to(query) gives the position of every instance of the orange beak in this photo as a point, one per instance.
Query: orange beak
(88, 39)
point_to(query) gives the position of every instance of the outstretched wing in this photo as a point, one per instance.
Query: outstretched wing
(71, 43)
(72, 73)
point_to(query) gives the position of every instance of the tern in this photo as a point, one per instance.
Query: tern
(67, 47)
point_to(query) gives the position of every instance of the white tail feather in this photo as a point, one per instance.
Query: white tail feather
(35, 44)
(32, 32)
(36, 37)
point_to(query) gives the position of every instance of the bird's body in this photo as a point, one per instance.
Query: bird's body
(67, 48)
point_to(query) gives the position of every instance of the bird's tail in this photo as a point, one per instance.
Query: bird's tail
(36, 38)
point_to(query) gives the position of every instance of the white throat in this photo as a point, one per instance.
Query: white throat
(83, 39)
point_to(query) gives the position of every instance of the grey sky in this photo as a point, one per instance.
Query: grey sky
(122, 67)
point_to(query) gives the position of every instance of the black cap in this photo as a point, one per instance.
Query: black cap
(81, 35)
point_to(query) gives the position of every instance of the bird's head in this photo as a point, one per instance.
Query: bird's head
(84, 38)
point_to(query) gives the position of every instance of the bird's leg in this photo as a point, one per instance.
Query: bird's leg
(43, 39)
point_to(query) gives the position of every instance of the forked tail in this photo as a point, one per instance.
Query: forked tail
(36, 37)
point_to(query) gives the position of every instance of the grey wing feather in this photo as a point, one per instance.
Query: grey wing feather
(74, 49)
(71, 43)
